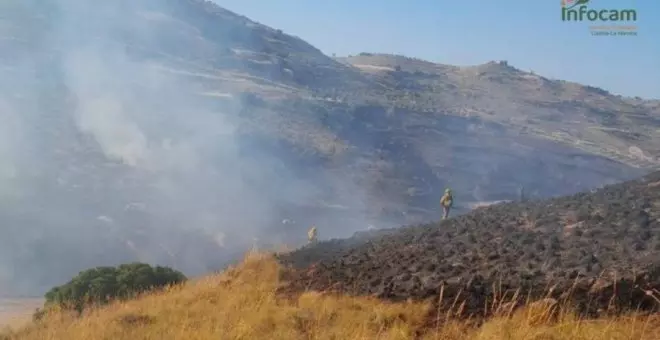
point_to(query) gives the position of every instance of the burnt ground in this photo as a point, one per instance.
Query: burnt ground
(599, 250)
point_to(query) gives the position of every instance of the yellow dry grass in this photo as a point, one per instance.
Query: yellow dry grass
(242, 303)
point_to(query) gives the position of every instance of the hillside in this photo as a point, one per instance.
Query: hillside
(179, 133)
(587, 118)
(243, 303)
(601, 249)
(576, 267)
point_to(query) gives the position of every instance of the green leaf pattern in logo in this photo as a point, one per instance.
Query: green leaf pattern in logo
(579, 2)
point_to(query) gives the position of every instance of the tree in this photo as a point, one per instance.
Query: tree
(100, 285)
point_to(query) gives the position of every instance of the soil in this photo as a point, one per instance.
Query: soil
(599, 250)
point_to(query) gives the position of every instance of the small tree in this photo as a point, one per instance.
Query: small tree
(100, 285)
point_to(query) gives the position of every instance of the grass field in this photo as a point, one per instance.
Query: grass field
(242, 303)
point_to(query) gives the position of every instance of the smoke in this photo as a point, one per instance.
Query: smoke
(110, 153)
(9, 132)
(106, 157)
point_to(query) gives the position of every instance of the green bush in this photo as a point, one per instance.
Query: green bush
(100, 285)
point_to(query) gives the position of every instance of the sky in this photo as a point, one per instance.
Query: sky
(530, 35)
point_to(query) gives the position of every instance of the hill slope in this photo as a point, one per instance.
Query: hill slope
(243, 303)
(587, 118)
(151, 130)
(592, 246)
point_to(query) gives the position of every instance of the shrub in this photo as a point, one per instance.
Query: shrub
(100, 285)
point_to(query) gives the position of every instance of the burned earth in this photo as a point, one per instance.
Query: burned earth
(598, 250)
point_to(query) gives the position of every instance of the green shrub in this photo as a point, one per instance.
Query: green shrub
(100, 285)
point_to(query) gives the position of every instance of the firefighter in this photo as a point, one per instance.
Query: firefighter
(446, 202)
(311, 235)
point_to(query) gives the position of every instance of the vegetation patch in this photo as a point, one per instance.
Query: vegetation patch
(100, 285)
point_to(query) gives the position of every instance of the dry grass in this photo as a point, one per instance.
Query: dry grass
(242, 303)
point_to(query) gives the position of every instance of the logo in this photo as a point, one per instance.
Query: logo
(606, 22)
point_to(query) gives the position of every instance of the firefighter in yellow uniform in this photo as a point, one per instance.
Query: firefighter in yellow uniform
(311, 235)
(446, 202)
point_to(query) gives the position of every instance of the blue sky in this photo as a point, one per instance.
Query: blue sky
(528, 34)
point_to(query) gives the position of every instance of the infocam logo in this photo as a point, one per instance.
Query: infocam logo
(610, 21)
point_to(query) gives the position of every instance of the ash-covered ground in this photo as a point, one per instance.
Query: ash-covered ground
(587, 247)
